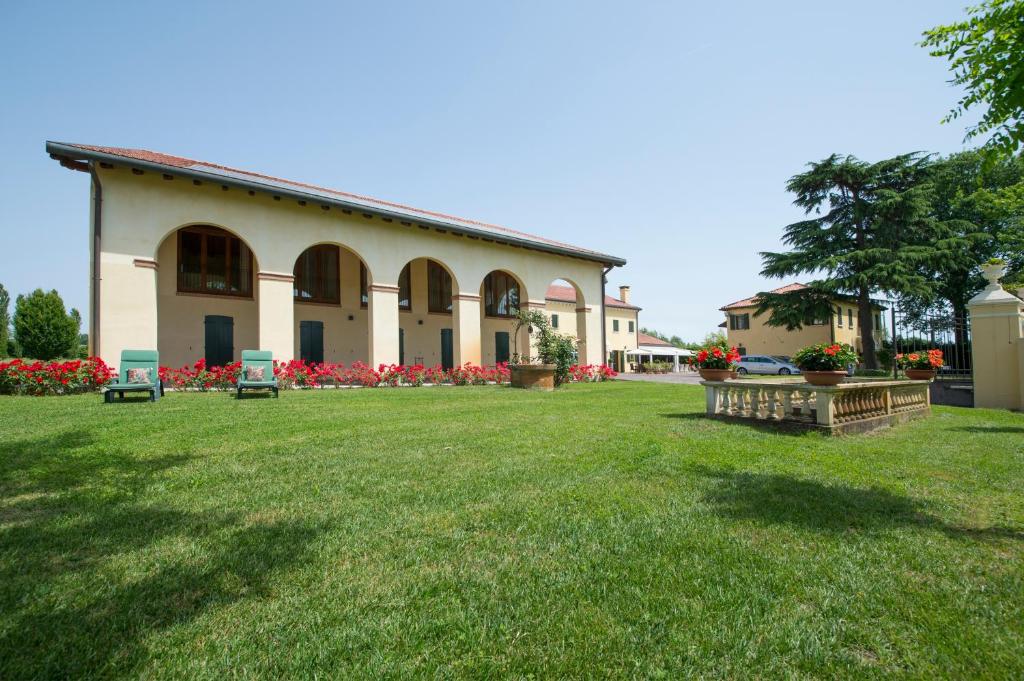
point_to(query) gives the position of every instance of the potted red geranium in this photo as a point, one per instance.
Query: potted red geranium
(715, 362)
(825, 363)
(920, 366)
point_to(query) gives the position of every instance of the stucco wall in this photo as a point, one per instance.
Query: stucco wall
(182, 335)
(761, 339)
(140, 212)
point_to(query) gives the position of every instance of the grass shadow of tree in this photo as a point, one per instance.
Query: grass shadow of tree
(776, 428)
(71, 516)
(830, 508)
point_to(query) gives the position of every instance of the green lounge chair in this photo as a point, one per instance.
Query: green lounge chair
(137, 359)
(257, 358)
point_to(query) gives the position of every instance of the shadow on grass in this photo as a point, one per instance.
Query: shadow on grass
(90, 572)
(787, 500)
(752, 424)
(989, 429)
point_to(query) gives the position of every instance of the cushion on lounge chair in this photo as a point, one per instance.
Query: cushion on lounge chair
(140, 375)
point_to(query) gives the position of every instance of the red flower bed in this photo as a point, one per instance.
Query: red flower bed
(55, 378)
(591, 373)
(18, 377)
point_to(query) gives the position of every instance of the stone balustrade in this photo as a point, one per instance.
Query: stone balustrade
(848, 407)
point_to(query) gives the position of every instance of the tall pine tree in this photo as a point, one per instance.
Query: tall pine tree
(872, 233)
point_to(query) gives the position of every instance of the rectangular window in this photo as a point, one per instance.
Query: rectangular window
(878, 321)
(850, 317)
(739, 322)
(615, 325)
(364, 294)
(211, 260)
(439, 288)
(839, 317)
(404, 289)
(316, 275)
(554, 321)
(501, 295)
(631, 327)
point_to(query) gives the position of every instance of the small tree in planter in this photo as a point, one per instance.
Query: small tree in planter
(825, 363)
(557, 353)
(715, 361)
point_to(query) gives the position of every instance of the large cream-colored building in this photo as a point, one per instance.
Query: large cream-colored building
(202, 261)
(752, 335)
(621, 326)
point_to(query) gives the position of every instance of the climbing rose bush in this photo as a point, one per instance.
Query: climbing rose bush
(18, 377)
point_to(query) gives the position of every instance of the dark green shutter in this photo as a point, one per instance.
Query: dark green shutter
(401, 346)
(311, 341)
(447, 349)
(501, 346)
(220, 340)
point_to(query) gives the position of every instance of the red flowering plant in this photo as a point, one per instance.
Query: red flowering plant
(201, 377)
(591, 373)
(715, 356)
(18, 377)
(825, 357)
(435, 375)
(927, 360)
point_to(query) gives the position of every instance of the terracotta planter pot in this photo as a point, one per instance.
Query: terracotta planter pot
(823, 378)
(920, 374)
(716, 374)
(533, 376)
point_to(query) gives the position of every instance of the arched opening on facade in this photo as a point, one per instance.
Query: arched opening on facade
(207, 296)
(331, 297)
(502, 295)
(425, 313)
(567, 311)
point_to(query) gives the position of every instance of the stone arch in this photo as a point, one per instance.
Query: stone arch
(195, 318)
(330, 296)
(502, 295)
(427, 290)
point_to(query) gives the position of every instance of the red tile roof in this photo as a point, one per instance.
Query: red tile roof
(752, 301)
(172, 161)
(567, 294)
(643, 339)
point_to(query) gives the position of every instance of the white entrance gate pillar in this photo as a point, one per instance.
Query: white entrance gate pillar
(997, 344)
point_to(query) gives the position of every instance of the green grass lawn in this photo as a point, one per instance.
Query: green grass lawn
(603, 530)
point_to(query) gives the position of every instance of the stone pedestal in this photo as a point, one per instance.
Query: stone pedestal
(997, 345)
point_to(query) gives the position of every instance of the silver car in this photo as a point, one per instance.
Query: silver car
(766, 364)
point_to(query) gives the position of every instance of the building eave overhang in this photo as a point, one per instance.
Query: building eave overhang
(69, 153)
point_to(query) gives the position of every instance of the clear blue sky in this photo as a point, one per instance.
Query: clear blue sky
(660, 132)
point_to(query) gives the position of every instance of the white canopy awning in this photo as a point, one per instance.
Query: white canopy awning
(663, 351)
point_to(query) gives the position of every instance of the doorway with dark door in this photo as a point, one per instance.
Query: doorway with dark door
(501, 347)
(311, 342)
(220, 340)
(447, 349)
